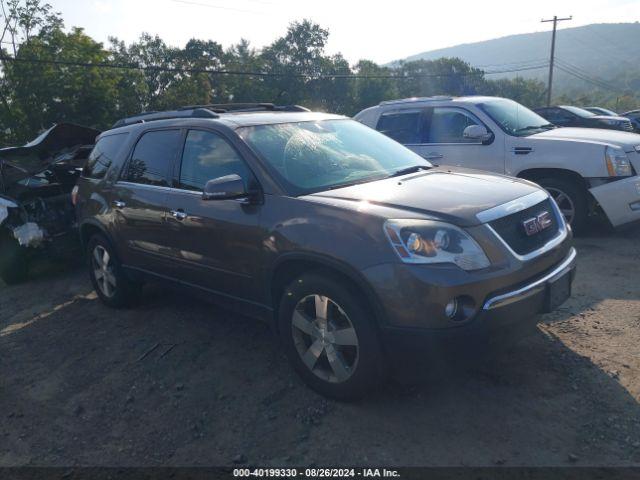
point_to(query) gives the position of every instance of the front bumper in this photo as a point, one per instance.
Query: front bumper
(620, 200)
(535, 287)
(504, 314)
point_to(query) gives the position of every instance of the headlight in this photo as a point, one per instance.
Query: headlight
(618, 164)
(609, 121)
(426, 241)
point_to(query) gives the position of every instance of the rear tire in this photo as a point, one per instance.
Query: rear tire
(571, 198)
(111, 284)
(338, 356)
(14, 261)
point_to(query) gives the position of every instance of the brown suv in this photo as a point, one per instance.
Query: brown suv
(348, 243)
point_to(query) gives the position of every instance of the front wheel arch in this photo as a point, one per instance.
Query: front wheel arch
(292, 266)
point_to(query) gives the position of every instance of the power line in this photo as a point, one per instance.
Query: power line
(515, 64)
(577, 73)
(586, 73)
(593, 79)
(152, 68)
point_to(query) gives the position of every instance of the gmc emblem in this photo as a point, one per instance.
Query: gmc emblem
(537, 224)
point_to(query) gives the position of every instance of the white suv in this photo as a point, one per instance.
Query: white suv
(580, 167)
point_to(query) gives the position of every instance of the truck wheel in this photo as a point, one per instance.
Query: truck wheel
(571, 199)
(14, 262)
(329, 338)
(111, 284)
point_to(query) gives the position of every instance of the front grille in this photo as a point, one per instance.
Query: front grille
(627, 126)
(511, 228)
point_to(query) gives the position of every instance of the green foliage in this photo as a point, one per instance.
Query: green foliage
(531, 93)
(299, 71)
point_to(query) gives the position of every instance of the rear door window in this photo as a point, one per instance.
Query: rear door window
(153, 158)
(103, 155)
(207, 156)
(404, 127)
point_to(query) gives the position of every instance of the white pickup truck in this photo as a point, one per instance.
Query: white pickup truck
(581, 168)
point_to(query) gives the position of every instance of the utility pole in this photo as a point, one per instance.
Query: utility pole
(555, 21)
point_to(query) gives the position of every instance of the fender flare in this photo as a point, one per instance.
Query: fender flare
(329, 263)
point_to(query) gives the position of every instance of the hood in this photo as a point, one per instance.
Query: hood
(452, 195)
(610, 117)
(17, 163)
(627, 140)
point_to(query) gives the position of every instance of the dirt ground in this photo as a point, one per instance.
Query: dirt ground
(177, 381)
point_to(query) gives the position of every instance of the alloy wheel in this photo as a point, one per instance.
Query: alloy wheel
(325, 338)
(565, 204)
(103, 271)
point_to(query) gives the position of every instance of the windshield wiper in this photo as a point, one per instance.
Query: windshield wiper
(406, 170)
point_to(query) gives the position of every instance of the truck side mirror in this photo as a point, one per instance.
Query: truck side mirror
(477, 132)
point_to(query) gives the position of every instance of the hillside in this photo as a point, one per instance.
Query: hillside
(605, 54)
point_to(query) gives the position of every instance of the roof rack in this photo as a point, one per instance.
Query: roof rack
(195, 112)
(248, 107)
(212, 110)
(417, 99)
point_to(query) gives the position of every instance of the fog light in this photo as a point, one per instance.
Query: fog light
(452, 308)
(460, 309)
(635, 206)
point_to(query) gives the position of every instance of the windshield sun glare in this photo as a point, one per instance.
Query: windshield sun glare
(320, 155)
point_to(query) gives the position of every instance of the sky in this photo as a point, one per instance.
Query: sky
(381, 31)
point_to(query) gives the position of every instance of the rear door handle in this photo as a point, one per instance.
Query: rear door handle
(119, 204)
(179, 214)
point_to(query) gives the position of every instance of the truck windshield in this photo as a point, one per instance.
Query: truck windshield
(320, 155)
(513, 118)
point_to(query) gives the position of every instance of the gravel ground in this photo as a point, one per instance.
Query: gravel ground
(182, 382)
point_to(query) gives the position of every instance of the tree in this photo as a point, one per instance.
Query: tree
(371, 91)
(242, 88)
(528, 92)
(49, 75)
(19, 21)
(297, 57)
(444, 76)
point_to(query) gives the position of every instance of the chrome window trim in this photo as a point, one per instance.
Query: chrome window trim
(168, 189)
(157, 187)
(532, 287)
(441, 144)
(143, 185)
(518, 205)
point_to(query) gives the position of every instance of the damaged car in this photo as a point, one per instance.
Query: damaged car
(37, 217)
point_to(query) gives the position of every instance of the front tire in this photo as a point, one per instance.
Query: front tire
(109, 281)
(571, 198)
(329, 337)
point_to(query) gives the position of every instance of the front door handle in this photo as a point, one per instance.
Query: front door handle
(432, 156)
(119, 204)
(178, 214)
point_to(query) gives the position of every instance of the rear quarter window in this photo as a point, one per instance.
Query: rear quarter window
(103, 155)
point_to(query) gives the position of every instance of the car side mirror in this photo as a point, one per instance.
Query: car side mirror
(477, 132)
(225, 188)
